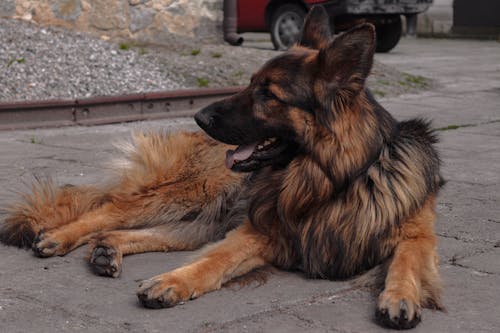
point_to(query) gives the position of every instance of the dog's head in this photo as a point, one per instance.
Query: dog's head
(305, 87)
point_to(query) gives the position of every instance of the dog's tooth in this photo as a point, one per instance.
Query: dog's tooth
(260, 146)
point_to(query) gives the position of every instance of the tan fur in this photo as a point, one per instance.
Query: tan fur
(240, 252)
(172, 187)
(413, 269)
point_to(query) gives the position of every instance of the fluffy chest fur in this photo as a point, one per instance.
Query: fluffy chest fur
(336, 233)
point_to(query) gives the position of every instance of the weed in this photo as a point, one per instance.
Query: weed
(13, 60)
(238, 74)
(195, 52)
(33, 140)
(216, 55)
(124, 46)
(453, 127)
(202, 82)
(143, 51)
(414, 80)
(378, 92)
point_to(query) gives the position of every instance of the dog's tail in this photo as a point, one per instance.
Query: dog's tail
(46, 207)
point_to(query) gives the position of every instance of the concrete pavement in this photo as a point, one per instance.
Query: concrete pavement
(61, 294)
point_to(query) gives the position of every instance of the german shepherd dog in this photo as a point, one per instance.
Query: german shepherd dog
(327, 182)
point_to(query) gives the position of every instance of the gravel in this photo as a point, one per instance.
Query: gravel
(39, 63)
(44, 63)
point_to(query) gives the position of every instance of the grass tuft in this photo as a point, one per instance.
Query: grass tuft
(34, 140)
(454, 127)
(202, 82)
(414, 81)
(124, 46)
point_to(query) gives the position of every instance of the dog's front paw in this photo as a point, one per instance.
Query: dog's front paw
(47, 245)
(397, 312)
(164, 291)
(106, 261)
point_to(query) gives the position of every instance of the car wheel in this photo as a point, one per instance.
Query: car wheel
(286, 25)
(388, 34)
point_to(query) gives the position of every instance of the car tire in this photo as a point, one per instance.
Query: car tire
(286, 25)
(388, 34)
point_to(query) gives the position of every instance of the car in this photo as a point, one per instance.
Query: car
(284, 19)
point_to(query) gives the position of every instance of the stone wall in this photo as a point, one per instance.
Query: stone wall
(150, 21)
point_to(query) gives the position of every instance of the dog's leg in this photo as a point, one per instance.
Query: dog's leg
(62, 240)
(243, 250)
(412, 280)
(108, 248)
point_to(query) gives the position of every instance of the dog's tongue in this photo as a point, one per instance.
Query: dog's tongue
(241, 153)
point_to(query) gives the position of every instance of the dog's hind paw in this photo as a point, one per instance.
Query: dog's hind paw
(163, 291)
(399, 314)
(44, 246)
(106, 261)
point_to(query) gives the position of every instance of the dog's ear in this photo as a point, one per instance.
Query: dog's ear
(342, 68)
(316, 30)
(348, 59)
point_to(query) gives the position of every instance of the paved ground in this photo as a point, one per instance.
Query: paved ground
(61, 294)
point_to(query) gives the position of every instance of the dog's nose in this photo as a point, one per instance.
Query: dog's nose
(203, 119)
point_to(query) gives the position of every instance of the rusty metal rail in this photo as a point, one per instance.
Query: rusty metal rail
(108, 110)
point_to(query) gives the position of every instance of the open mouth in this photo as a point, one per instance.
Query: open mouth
(256, 155)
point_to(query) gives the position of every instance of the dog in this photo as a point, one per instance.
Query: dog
(304, 170)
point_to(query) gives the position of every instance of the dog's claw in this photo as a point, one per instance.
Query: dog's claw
(44, 248)
(402, 318)
(162, 291)
(155, 303)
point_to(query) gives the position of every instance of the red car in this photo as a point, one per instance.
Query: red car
(283, 19)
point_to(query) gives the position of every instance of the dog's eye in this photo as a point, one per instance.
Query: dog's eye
(269, 94)
(264, 93)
